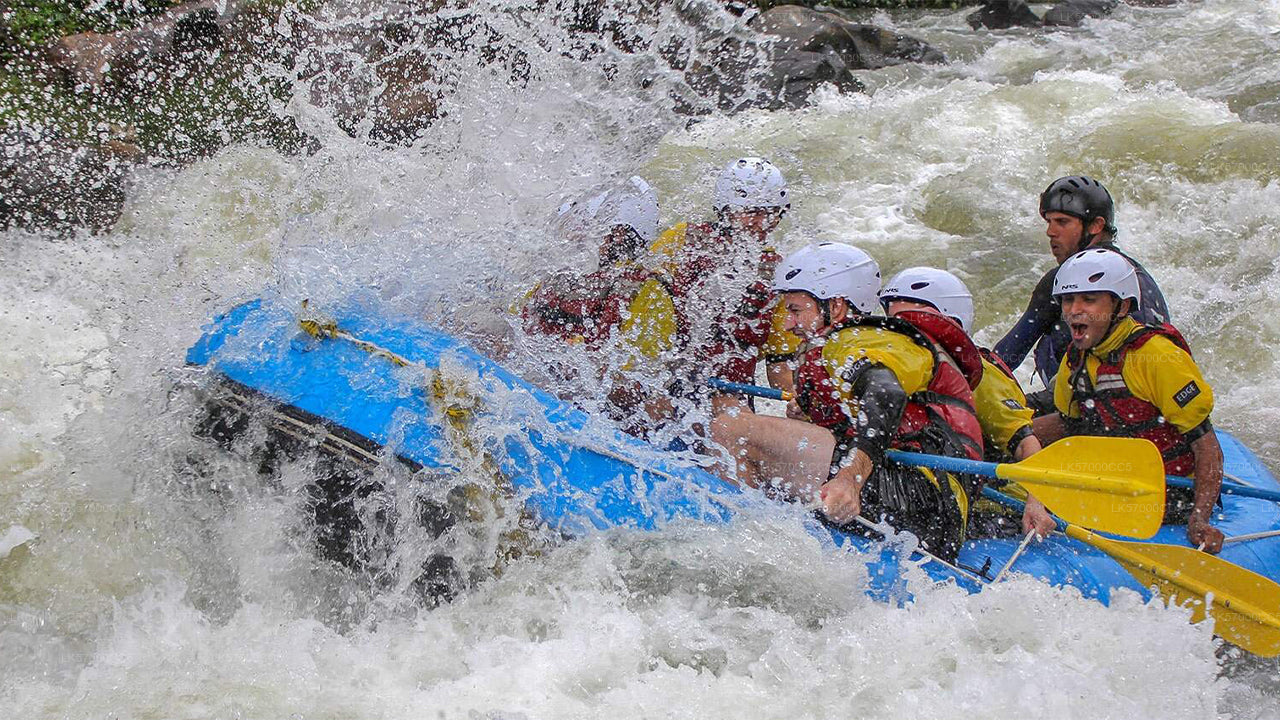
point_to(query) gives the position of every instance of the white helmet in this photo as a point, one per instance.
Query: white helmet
(632, 203)
(1097, 270)
(635, 205)
(751, 182)
(939, 288)
(830, 270)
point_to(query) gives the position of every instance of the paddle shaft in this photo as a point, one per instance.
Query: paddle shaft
(976, 467)
(1227, 488)
(745, 389)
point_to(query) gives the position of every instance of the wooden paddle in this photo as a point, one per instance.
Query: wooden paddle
(1244, 605)
(1116, 485)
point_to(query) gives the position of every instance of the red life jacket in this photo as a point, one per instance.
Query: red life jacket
(957, 370)
(1110, 408)
(584, 309)
(816, 392)
(994, 359)
(737, 331)
(939, 418)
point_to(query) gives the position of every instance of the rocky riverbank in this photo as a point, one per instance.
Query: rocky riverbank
(87, 95)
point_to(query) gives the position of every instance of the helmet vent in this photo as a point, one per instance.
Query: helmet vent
(791, 275)
(1096, 276)
(919, 285)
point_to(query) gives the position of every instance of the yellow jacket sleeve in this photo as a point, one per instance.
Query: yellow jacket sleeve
(1002, 408)
(517, 306)
(780, 345)
(910, 363)
(1164, 375)
(650, 327)
(1062, 393)
(670, 241)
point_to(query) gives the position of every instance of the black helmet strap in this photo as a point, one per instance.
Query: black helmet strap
(1086, 237)
(1115, 314)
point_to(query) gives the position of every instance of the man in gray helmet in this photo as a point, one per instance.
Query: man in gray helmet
(1078, 213)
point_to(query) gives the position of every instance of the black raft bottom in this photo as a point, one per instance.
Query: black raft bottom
(346, 467)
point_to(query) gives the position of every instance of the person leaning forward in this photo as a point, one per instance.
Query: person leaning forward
(719, 273)
(998, 399)
(863, 385)
(623, 307)
(1126, 379)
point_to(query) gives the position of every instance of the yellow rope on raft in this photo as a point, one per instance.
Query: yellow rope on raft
(454, 399)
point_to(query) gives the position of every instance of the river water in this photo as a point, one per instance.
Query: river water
(166, 581)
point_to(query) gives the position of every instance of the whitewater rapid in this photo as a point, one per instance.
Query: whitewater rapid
(169, 580)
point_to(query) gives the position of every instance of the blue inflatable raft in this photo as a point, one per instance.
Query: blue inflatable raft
(380, 385)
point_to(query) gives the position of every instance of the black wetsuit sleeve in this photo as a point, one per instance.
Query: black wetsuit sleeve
(1021, 434)
(881, 401)
(1036, 321)
(1198, 431)
(1152, 308)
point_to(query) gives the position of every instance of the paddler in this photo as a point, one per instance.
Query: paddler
(1078, 213)
(589, 308)
(863, 385)
(998, 398)
(1123, 378)
(720, 272)
(623, 305)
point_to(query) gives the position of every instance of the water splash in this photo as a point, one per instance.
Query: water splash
(168, 574)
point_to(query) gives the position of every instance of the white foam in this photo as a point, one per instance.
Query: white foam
(171, 581)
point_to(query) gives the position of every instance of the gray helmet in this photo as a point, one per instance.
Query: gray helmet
(1079, 196)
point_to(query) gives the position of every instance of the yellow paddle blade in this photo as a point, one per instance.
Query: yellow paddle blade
(1110, 484)
(1245, 606)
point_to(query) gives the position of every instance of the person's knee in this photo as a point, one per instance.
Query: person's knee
(722, 427)
(731, 428)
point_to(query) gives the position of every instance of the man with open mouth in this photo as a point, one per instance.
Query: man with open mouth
(1122, 378)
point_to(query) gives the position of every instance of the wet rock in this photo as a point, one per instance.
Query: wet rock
(811, 48)
(720, 75)
(858, 46)
(97, 59)
(797, 74)
(1002, 15)
(371, 67)
(123, 150)
(1073, 12)
(409, 100)
(50, 183)
(85, 58)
